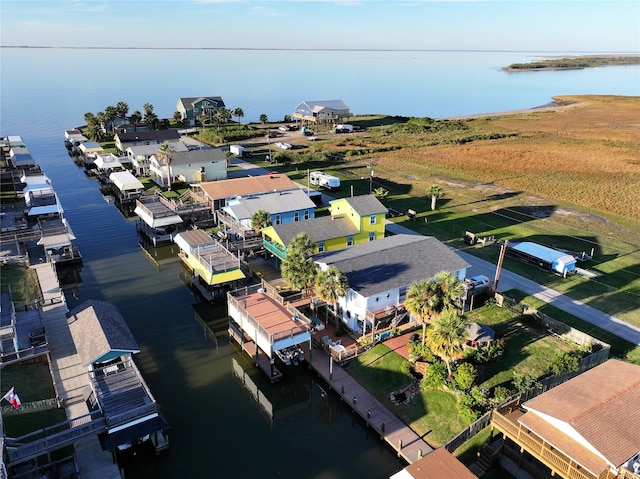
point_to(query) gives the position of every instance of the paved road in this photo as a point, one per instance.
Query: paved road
(508, 280)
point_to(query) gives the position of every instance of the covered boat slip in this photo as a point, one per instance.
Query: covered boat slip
(268, 322)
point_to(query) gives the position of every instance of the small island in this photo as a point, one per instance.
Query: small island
(576, 63)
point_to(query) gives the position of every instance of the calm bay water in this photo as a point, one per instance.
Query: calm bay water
(218, 429)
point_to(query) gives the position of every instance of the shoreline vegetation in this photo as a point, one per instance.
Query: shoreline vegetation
(576, 63)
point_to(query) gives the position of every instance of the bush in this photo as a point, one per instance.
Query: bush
(465, 376)
(500, 393)
(435, 376)
(564, 361)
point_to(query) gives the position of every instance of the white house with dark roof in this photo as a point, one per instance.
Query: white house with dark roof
(327, 111)
(139, 155)
(124, 140)
(380, 273)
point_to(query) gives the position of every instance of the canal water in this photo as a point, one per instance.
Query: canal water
(226, 419)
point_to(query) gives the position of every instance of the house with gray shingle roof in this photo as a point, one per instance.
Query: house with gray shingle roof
(105, 347)
(353, 220)
(380, 273)
(327, 111)
(283, 207)
(192, 108)
(194, 166)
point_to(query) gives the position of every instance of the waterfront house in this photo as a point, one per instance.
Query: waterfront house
(439, 464)
(158, 219)
(190, 166)
(124, 140)
(90, 149)
(352, 220)
(586, 428)
(192, 108)
(108, 162)
(328, 111)
(125, 186)
(380, 273)
(139, 156)
(213, 268)
(20, 157)
(283, 207)
(105, 347)
(218, 193)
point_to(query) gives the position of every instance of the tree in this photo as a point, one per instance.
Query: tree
(298, 269)
(434, 192)
(238, 113)
(332, 284)
(446, 336)
(165, 154)
(264, 118)
(136, 118)
(147, 108)
(111, 113)
(450, 291)
(421, 301)
(151, 119)
(177, 117)
(260, 219)
(122, 108)
(381, 193)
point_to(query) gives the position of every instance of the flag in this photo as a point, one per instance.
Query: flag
(13, 398)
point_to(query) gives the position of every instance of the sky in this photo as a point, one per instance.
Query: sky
(496, 25)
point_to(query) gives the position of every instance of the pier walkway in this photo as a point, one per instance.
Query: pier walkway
(408, 444)
(69, 377)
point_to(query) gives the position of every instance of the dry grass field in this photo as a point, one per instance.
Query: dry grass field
(566, 174)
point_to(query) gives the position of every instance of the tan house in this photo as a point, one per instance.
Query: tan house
(586, 428)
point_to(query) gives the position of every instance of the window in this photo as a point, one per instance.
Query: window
(277, 220)
(372, 220)
(372, 236)
(296, 216)
(306, 214)
(350, 240)
(320, 246)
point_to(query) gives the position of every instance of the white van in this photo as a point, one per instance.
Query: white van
(323, 180)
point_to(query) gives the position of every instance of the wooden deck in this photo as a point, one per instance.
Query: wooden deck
(408, 444)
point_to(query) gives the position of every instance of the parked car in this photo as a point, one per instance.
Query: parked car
(307, 133)
(284, 146)
(284, 128)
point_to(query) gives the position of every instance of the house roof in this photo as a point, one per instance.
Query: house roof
(252, 185)
(272, 203)
(479, 332)
(187, 102)
(186, 240)
(125, 181)
(153, 135)
(392, 262)
(97, 328)
(363, 204)
(206, 155)
(606, 416)
(318, 229)
(439, 464)
(148, 150)
(329, 104)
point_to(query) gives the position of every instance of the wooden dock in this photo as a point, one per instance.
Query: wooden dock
(408, 444)
(261, 359)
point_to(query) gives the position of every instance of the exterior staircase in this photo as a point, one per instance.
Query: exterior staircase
(488, 456)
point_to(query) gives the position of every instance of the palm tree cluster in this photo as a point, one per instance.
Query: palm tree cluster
(103, 122)
(438, 303)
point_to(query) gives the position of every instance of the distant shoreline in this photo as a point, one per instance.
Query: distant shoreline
(552, 105)
(575, 62)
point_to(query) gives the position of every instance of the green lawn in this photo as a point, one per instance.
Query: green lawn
(25, 286)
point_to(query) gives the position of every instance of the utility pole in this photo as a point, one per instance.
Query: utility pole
(503, 250)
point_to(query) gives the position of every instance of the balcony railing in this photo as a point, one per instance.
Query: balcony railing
(542, 451)
(275, 248)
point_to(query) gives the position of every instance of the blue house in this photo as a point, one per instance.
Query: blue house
(283, 206)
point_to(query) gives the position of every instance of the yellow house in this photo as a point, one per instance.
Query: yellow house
(352, 221)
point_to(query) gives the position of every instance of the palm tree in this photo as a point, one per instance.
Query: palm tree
(238, 113)
(446, 336)
(421, 301)
(165, 154)
(122, 108)
(332, 284)
(111, 113)
(264, 118)
(136, 118)
(260, 219)
(147, 108)
(381, 193)
(450, 291)
(435, 192)
(298, 269)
